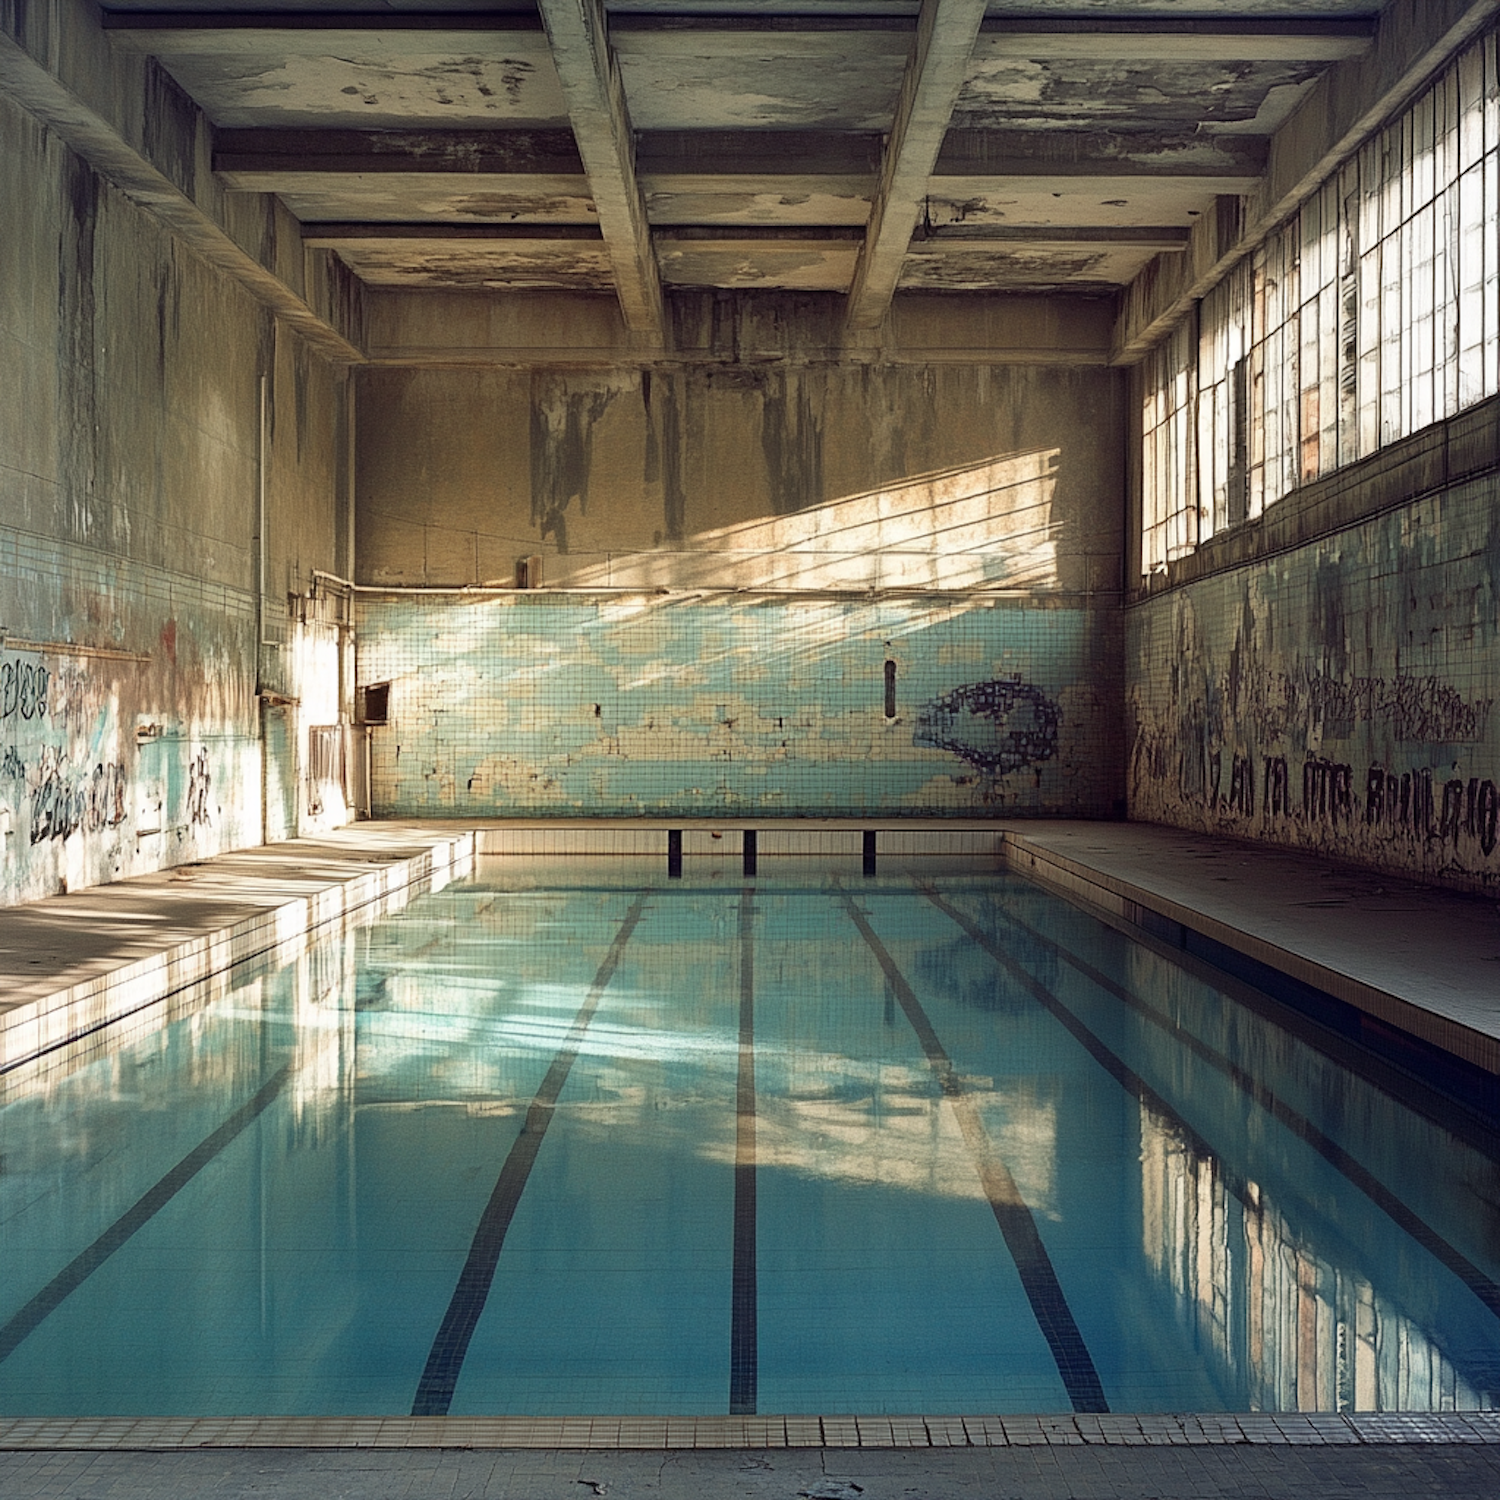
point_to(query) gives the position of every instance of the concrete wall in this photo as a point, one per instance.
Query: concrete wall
(763, 497)
(706, 474)
(130, 458)
(1336, 692)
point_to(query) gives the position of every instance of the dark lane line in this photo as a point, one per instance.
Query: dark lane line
(451, 1344)
(1360, 1176)
(744, 1349)
(83, 1265)
(1038, 1278)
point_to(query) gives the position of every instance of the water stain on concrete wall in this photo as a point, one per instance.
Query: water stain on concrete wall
(564, 415)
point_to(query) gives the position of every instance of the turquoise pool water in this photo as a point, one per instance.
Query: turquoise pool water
(574, 1138)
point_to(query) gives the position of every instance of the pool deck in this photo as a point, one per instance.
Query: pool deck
(1436, 1466)
(1417, 958)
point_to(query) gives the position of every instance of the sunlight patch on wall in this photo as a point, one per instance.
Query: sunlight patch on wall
(985, 525)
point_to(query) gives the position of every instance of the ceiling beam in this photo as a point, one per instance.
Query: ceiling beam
(333, 236)
(519, 16)
(1099, 153)
(935, 72)
(758, 153)
(506, 153)
(739, 153)
(1165, 239)
(1107, 39)
(1226, 41)
(577, 31)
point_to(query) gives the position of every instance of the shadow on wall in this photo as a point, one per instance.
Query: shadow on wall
(985, 525)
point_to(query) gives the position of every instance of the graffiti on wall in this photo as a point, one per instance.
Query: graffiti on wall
(23, 690)
(66, 798)
(798, 706)
(1326, 728)
(61, 773)
(999, 727)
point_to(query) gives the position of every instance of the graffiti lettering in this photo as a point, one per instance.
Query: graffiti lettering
(1425, 710)
(1277, 801)
(1404, 801)
(1242, 786)
(12, 765)
(1471, 810)
(1327, 791)
(199, 783)
(64, 800)
(23, 690)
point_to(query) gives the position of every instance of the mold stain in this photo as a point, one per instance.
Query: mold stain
(792, 441)
(563, 418)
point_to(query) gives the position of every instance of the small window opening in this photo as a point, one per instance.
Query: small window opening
(375, 703)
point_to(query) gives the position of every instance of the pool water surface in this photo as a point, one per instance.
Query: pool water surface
(572, 1137)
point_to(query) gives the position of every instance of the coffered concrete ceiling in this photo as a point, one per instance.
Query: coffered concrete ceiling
(818, 145)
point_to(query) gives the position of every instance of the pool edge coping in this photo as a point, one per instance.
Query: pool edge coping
(661, 1434)
(1124, 899)
(72, 1012)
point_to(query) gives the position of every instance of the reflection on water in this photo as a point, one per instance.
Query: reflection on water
(1299, 1332)
(1213, 1253)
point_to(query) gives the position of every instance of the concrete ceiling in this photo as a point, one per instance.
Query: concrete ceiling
(820, 145)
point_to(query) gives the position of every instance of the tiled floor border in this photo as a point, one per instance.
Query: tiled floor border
(663, 1433)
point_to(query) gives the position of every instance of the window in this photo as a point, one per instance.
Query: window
(1370, 314)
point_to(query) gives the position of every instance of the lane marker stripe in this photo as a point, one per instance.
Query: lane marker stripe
(1360, 1176)
(1038, 1277)
(451, 1344)
(744, 1355)
(150, 1203)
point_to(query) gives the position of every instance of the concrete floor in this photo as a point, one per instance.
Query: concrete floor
(1394, 1472)
(1429, 958)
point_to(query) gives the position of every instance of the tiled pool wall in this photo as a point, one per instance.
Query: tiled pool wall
(1337, 697)
(645, 704)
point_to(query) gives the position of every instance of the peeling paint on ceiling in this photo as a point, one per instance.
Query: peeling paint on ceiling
(774, 120)
(477, 266)
(1135, 95)
(714, 80)
(1071, 202)
(809, 267)
(675, 200)
(407, 199)
(1020, 266)
(475, 83)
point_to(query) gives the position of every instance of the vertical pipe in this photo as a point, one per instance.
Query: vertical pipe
(262, 480)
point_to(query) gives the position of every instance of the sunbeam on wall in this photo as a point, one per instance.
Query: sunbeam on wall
(987, 524)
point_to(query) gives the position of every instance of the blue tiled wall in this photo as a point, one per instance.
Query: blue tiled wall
(716, 704)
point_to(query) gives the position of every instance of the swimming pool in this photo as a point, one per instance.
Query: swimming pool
(572, 1137)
